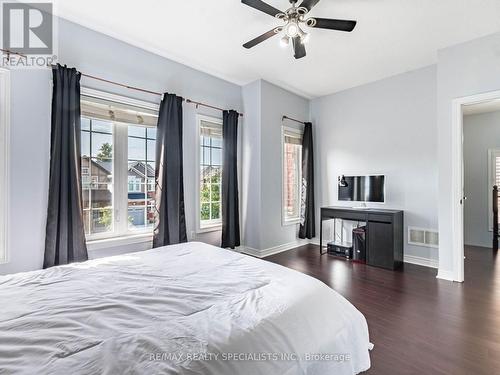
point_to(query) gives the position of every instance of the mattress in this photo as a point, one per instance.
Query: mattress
(183, 309)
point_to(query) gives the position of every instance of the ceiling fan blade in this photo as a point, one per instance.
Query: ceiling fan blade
(341, 25)
(262, 6)
(298, 48)
(308, 4)
(262, 37)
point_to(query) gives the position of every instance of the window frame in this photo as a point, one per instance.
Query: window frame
(121, 232)
(4, 163)
(492, 154)
(299, 133)
(215, 225)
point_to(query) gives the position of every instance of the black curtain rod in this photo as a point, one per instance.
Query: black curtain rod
(126, 86)
(292, 119)
(153, 92)
(11, 53)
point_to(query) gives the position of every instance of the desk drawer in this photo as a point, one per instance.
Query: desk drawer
(380, 218)
(343, 214)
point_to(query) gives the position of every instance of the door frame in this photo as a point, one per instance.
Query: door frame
(457, 172)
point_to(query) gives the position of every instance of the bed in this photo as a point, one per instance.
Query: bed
(183, 309)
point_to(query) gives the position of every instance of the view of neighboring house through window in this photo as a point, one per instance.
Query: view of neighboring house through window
(134, 184)
(292, 165)
(141, 176)
(97, 175)
(118, 143)
(210, 152)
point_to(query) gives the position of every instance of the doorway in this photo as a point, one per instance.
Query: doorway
(479, 218)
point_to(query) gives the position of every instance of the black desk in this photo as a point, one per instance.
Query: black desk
(384, 233)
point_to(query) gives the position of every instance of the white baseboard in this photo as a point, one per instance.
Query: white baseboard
(432, 263)
(426, 262)
(272, 250)
(445, 275)
(314, 241)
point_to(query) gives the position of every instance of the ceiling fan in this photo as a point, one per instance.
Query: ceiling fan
(294, 18)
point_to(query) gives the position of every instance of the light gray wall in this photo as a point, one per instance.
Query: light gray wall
(251, 167)
(481, 133)
(29, 169)
(463, 70)
(276, 102)
(386, 127)
(100, 55)
(262, 168)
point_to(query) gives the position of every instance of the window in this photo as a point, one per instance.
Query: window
(141, 177)
(210, 156)
(97, 175)
(292, 175)
(118, 141)
(4, 161)
(493, 179)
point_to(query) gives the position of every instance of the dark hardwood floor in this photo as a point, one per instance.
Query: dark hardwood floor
(419, 324)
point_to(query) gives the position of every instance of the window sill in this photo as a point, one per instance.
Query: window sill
(286, 223)
(209, 228)
(119, 241)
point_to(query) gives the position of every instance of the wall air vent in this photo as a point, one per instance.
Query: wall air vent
(423, 237)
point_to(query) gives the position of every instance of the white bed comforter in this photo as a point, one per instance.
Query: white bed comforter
(183, 309)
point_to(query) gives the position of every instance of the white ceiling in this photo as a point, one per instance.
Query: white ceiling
(391, 37)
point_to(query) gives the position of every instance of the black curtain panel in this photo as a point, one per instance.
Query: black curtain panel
(65, 234)
(230, 202)
(307, 219)
(170, 223)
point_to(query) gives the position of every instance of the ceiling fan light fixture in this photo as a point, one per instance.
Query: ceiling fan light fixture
(305, 37)
(292, 29)
(285, 41)
(294, 20)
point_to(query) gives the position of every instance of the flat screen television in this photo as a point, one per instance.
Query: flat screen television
(362, 188)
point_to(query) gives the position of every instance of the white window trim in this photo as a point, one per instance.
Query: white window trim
(106, 243)
(121, 235)
(4, 163)
(492, 154)
(98, 94)
(299, 133)
(217, 224)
